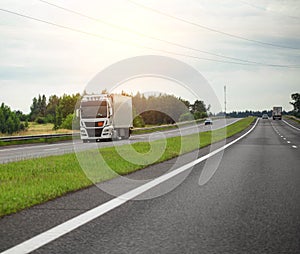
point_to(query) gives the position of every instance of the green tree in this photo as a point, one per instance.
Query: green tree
(159, 109)
(21, 116)
(198, 109)
(68, 122)
(38, 107)
(68, 103)
(296, 102)
(9, 121)
(138, 121)
(186, 117)
(2, 120)
(58, 118)
(10, 125)
(34, 111)
(51, 108)
(43, 106)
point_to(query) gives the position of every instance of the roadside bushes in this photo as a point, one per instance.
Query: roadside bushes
(9, 121)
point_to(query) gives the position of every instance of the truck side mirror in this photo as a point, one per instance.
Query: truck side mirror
(77, 112)
(110, 112)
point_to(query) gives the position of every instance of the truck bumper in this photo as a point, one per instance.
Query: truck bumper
(94, 134)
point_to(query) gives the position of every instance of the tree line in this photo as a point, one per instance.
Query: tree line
(246, 113)
(165, 109)
(150, 110)
(56, 110)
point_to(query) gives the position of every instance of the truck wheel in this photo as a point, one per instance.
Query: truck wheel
(115, 135)
(127, 134)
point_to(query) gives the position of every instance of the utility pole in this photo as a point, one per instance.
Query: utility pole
(225, 99)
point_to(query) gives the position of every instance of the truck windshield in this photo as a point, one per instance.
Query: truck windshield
(94, 109)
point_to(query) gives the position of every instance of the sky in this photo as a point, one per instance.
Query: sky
(251, 46)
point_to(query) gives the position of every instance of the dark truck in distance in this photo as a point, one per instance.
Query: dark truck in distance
(277, 113)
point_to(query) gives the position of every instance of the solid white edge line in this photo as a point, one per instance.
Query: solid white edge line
(68, 226)
(291, 125)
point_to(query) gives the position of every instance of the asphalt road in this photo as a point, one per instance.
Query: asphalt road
(250, 205)
(17, 153)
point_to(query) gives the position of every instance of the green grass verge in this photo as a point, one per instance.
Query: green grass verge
(297, 120)
(30, 182)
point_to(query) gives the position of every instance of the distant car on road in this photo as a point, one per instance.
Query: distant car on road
(208, 121)
(265, 116)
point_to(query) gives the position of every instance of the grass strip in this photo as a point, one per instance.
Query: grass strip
(295, 119)
(34, 181)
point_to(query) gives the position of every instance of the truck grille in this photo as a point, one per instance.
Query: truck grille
(94, 124)
(90, 124)
(94, 132)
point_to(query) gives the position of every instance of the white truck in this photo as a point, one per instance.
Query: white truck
(277, 113)
(105, 117)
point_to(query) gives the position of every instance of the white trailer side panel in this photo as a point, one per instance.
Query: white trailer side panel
(122, 111)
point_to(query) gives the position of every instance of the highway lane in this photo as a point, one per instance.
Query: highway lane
(251, 205)
(9, 154)
(288, 132)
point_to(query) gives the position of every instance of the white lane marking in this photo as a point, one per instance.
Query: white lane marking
(284, 138)
(288, 142)
(291, 125)
(51, 149)
(294, 146)
(68, 226)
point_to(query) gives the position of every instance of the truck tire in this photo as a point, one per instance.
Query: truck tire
(127, 134)
(115, 135)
